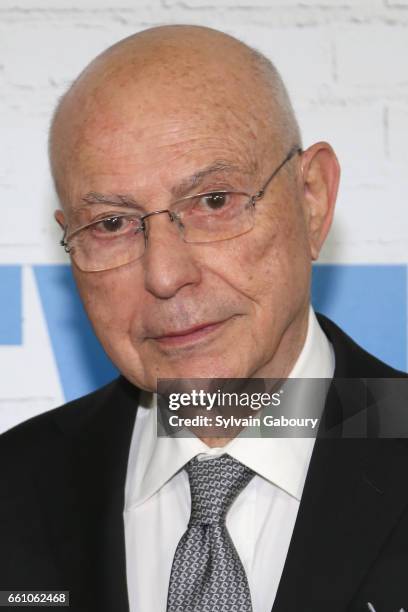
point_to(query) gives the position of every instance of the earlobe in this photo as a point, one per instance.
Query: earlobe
(320, 176)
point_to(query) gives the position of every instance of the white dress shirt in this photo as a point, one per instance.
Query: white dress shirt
(260, 520)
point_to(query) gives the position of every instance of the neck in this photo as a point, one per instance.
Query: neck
(282, 363)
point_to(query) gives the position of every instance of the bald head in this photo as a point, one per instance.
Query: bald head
(181, 72)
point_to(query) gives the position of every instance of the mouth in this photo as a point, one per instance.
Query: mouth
(190, 335)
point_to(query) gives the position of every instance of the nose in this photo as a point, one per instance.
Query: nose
(169, 264)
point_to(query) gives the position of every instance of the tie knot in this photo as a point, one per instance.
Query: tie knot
(214, 484)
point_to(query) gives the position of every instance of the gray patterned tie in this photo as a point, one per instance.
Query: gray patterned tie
(207, 573)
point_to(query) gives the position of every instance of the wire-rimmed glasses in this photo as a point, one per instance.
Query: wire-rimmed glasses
(116, 240)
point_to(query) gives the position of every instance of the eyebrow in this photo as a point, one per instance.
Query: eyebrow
(178, 191)
(93, 197)
(195, 179)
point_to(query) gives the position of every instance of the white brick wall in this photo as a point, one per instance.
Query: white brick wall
(344, 63)
(370, 59)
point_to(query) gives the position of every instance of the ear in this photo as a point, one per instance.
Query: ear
(320, 175)
(60, 218)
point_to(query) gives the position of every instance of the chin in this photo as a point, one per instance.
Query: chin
(203, 370)
(187, 366)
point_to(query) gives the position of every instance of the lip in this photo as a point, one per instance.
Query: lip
(190, 335)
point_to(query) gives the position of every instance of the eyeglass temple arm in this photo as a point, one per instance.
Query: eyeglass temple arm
(292, 152)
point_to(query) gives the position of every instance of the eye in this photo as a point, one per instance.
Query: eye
(116, 226)
(216, 200)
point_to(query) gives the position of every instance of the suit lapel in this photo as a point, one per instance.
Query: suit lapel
(352, 498)
(86, 518)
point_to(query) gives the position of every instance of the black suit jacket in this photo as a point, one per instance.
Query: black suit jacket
(62, 494)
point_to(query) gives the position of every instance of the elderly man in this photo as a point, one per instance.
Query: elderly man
(192, 216)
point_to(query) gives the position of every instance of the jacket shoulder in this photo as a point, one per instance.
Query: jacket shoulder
(69, 417)
(54, 438)
(352, 361)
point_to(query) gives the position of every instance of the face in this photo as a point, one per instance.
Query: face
(236, 308)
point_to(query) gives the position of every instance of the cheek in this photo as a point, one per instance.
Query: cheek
(270, 264)
(109, 300)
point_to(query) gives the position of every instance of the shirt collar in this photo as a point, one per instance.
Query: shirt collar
(283, 461)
